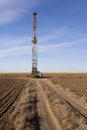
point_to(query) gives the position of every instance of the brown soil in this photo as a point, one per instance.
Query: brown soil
(77, 83)
(56, 103)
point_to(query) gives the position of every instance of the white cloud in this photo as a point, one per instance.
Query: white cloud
(12, 10)
(16, 51)
(11, 46)
(27, 49)
(7, 41)
(55, 34)
(62, 45)
(10, 41)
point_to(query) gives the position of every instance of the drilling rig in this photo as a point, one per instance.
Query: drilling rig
(35, 72)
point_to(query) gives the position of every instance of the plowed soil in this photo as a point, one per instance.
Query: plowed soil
(58, 102)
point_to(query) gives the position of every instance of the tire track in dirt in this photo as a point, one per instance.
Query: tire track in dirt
(39, 116)
(78, 106)
(44, 107)
(32, 118)
(52, 121)
(32, 111)
(69, 115)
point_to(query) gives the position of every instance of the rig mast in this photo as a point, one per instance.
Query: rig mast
(34, 43)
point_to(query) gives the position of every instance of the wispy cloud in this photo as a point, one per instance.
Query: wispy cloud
(16, 51)
(10, 41)
(11, 46)
(62, 45)
(7, 41)
(26, 49)
(55, 34)
(12, 10)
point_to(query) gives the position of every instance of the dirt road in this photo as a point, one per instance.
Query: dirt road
(36, 111)
(67, 97)
(46, 106)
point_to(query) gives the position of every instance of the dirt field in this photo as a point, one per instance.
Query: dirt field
(75, 82)
(55, 102)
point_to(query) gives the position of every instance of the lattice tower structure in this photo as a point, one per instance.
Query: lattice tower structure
(34, 43)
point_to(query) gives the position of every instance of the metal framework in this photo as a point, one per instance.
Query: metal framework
(34, 43)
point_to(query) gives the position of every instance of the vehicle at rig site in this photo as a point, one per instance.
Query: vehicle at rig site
(37, 74)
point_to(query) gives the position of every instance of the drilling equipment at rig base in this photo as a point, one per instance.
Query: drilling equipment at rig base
(35, 72)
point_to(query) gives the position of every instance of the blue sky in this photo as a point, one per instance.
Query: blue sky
(62, 35)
